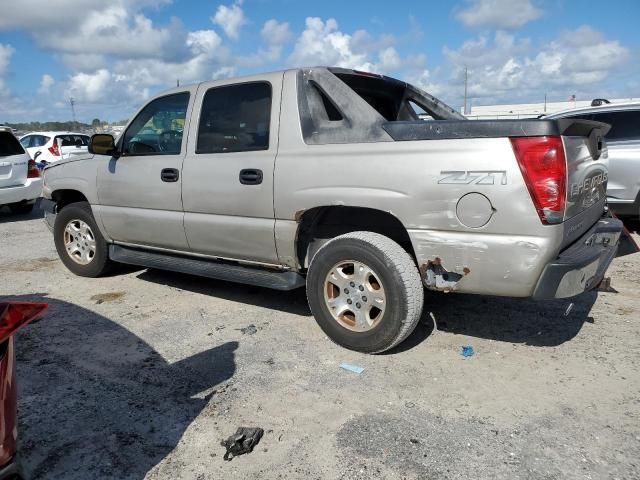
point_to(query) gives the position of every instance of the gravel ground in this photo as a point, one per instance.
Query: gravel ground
(141, 375)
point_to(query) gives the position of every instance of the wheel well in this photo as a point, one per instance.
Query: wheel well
(329, 222)
(65, 197)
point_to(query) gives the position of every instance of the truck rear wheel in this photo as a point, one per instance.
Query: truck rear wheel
(79, 243)
(365, 291)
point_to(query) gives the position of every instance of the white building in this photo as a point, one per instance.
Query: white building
(531, 110)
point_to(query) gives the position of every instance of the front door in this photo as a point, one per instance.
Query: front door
(140, 192)
(228, 171)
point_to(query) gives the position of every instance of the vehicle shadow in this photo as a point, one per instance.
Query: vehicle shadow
(504, 319)
(632, 224)
(7, 217)
(96, 401)
(294, 301)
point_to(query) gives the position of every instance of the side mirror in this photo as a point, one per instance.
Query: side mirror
(103, 144)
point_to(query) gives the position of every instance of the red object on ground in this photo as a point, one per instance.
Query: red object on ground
(13, 316)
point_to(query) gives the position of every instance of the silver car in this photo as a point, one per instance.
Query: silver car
(623, 140)
(328, 178)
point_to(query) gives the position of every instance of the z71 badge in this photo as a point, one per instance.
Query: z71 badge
(476, 177)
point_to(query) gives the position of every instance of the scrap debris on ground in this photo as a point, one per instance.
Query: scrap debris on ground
(243, 441)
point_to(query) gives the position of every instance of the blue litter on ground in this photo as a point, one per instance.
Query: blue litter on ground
(352, 368)
(467, 351)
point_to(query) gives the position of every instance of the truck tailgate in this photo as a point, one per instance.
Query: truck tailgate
(587, 172)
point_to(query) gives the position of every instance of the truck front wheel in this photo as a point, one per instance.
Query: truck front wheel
(79, 243)
(365, 291)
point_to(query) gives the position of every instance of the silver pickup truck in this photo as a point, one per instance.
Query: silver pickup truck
(333, 179)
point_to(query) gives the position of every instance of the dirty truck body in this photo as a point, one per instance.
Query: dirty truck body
(310, 168)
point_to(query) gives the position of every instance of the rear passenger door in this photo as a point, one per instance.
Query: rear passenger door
(227, 189)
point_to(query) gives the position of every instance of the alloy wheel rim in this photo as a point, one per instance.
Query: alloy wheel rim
(79, 242)
(354, 295)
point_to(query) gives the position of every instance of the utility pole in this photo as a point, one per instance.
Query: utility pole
(178, 82)
(545, 103)
(466, 78)
(72, 102)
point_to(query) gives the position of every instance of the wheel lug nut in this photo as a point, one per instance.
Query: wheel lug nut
(364, 299)
(361, 288)
(349, 301)
(352, 284)
(346, 290)
(358, 305)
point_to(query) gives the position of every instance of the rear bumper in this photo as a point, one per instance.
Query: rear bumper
(581, 266)
(30, 191)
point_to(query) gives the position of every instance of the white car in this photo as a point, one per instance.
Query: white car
(53, 146)
(20, 181)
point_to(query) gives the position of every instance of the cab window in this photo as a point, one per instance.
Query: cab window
(235, 118)
(158, 128)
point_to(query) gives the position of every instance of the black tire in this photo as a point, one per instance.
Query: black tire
(402, 286)
(21, 208)
(100, 264)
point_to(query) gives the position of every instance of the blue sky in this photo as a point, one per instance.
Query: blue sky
(111, 56)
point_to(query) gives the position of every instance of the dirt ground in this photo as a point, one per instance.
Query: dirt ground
(141, 375)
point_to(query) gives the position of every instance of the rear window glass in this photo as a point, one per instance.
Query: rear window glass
(235, 118)
(624, 125)
(73, 140)
(9, 145)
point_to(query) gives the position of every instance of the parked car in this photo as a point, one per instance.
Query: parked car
(623, 142)
(13, 316)
(53, 146)
(327, 177)
(20, 181)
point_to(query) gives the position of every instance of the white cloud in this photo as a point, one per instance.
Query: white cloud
(82, 27)
(90, 87)
(498, 13)
(321, 43)
(84, 62)
(506, 68)
(275, 33)
(230, 19)
(46, 83)
(6, 51)
(32, 15)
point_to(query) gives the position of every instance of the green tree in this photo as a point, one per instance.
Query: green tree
(95, 123)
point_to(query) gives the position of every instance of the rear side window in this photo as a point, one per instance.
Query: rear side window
(235, 118)
(9, 145)
(625, 125)
(71, 140)
(39, 141)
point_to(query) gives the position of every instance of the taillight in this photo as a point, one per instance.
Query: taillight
(15, 315)
(32, 170)
(54, 149)
(544, 168)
